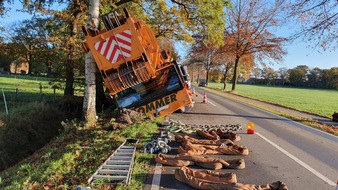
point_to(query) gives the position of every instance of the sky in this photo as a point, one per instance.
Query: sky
(298, 52)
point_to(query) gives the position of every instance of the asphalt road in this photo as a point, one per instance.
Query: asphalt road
(280, 149)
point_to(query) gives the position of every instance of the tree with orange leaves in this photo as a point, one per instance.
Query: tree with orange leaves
(204, 53)
(247, 62)
(248, 32)
(225, 61)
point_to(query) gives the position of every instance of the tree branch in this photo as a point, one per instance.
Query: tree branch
(182, 5)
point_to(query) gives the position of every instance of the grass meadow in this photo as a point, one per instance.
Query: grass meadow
(22, 89)
(70, 159)
(28, 87)
(318, 101)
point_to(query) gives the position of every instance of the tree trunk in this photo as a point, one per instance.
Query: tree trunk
(192, 74)
(208, 70)
(102, 102)
(234, 78)
(198, 75)
(89, 111)
(227, 68)
(225, 80)
(49, 71)
(29, 60)
(207, 78)
(69, 89)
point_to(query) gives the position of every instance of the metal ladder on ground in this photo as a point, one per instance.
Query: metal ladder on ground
(118, 167)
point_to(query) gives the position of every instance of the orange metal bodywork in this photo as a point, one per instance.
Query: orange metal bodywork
(144, 59)
(127, 53)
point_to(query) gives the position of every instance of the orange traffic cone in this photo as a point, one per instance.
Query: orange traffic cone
(251, 128)
(196, 93)
(205, 98)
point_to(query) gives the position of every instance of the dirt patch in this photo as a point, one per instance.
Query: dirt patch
(126, 117)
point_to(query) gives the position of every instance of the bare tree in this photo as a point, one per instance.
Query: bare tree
(194, 68)
(225, 62)
(283, 74)
(256, 72)
(269, 75)
(318, 21)
(248, 31)
(204, 53)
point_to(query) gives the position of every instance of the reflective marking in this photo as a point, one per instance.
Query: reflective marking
(162, 108)
(315, 172)
(212, 103)
(116, 47)
(157, 177)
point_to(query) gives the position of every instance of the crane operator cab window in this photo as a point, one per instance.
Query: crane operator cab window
(167, 81)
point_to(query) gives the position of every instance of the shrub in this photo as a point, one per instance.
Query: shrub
(71, 106)
(27, 129)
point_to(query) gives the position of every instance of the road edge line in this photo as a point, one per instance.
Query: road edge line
(157, 177)
(315, 172)
(261, 109)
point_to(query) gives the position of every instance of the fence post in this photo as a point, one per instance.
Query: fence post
(16, 94)
(40, 92)
(3, 94)
(54, 93)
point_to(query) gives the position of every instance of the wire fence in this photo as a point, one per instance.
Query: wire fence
(12, 99)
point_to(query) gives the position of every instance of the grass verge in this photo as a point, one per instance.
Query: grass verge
(28, 88)
(70, 159)
(320, 102)
(306, 121)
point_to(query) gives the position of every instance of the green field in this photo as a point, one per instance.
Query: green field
(21, 89)
(28, 87)
(318, 101)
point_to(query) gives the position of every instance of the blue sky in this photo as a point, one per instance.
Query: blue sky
(298, 52)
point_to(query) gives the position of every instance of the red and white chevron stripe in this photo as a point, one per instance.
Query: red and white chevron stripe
(115, 47)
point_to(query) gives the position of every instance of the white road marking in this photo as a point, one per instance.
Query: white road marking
(157, 177)
(243, 103)
(315, 172)
(212, 103)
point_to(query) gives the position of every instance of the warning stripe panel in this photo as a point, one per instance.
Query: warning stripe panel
(124, 38)
(115, 47)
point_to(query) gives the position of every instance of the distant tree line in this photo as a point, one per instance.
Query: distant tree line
(300, 76)
(250, 41)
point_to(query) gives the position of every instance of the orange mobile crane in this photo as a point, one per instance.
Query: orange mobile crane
(135, 70)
